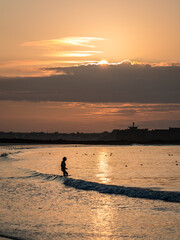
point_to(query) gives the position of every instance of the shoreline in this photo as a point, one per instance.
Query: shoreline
(65, 142)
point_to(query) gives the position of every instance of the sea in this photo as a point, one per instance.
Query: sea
(112, 192)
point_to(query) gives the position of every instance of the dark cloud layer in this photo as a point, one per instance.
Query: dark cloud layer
(94, 83)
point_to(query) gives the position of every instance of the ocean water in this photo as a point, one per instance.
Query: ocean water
(112, 192)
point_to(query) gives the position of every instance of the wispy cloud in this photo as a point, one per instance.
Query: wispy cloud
(54, 116)
(31, 68)
(74, 54)
(52, 53)
(71, 41)
(125, 109)
(67, 47)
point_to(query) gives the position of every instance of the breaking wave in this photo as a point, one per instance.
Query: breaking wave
(10, 156)
(4, 154)
(10, 237)
(45, 176)
(134, 192)
(34, 174)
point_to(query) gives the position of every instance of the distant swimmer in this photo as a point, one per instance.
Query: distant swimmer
(63, 166)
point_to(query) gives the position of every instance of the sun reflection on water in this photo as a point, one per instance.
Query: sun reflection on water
(103, 218)
(103, 167)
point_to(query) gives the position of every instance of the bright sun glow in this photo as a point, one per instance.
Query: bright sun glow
(103, 62)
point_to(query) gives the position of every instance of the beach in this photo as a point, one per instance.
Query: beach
(112, 192)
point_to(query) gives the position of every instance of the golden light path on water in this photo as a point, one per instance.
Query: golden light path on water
(104, 214)
(103, 167)
(103, 218)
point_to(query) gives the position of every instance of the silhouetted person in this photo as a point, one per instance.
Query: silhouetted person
(63, 166)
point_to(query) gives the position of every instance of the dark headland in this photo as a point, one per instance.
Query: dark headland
(131, 135)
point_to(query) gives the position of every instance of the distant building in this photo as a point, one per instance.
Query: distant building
(130, 135)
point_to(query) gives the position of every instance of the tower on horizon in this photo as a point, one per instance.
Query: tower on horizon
(133, 127)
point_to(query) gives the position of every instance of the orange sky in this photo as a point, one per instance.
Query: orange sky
(39, 36)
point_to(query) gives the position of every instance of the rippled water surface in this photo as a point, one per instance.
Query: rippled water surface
(113, 192)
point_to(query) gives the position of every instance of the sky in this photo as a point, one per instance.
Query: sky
(89, 65)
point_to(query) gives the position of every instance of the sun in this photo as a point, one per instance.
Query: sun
(103, 62)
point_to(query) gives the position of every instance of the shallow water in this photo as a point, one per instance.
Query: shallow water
(113, 192)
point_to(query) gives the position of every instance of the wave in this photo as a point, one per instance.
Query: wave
(45, 176)
(134, 192)
(10, 237)
(32, 174)
(4, 154)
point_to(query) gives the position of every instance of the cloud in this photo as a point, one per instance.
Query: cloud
(32, 68)
(73, 116)
(125, 82)
(70, 41)
(51, 53)
(74, 54)
(128, 109)
(67, 47)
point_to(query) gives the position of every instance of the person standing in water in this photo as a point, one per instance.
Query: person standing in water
(63, 166)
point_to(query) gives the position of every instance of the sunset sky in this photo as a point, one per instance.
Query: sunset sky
(89, 65)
